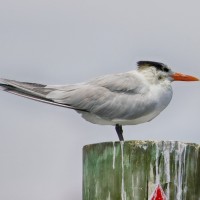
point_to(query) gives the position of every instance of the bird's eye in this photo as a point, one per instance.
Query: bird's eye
(159, 77)
(165, 69)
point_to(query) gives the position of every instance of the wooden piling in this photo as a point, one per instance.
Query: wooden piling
(136, 170)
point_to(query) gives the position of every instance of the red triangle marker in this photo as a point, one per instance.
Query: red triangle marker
(158, 194)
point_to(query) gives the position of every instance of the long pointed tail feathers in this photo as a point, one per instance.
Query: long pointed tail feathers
(34, 91)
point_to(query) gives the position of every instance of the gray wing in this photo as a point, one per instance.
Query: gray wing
(34, 91)
(121, 83)
(109, 97)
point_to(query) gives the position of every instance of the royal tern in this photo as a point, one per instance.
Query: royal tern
(128, 98)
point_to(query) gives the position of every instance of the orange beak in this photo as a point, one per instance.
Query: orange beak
(183, 77)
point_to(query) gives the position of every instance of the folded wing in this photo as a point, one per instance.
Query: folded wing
(109, 97)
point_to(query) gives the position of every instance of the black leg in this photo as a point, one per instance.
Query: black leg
(119, 131)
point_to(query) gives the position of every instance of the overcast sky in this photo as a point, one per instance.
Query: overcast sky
(70, 41)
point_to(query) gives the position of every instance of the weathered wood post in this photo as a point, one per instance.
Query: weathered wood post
(140, 170)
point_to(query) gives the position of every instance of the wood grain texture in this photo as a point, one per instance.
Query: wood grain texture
(133, 169)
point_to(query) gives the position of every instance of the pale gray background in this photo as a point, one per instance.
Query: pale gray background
(69, 41)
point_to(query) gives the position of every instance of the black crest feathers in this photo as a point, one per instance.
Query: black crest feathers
(159, 66)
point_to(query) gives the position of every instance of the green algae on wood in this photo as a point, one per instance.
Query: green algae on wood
(133, 169)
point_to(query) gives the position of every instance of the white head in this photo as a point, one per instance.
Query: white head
(156, 72)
